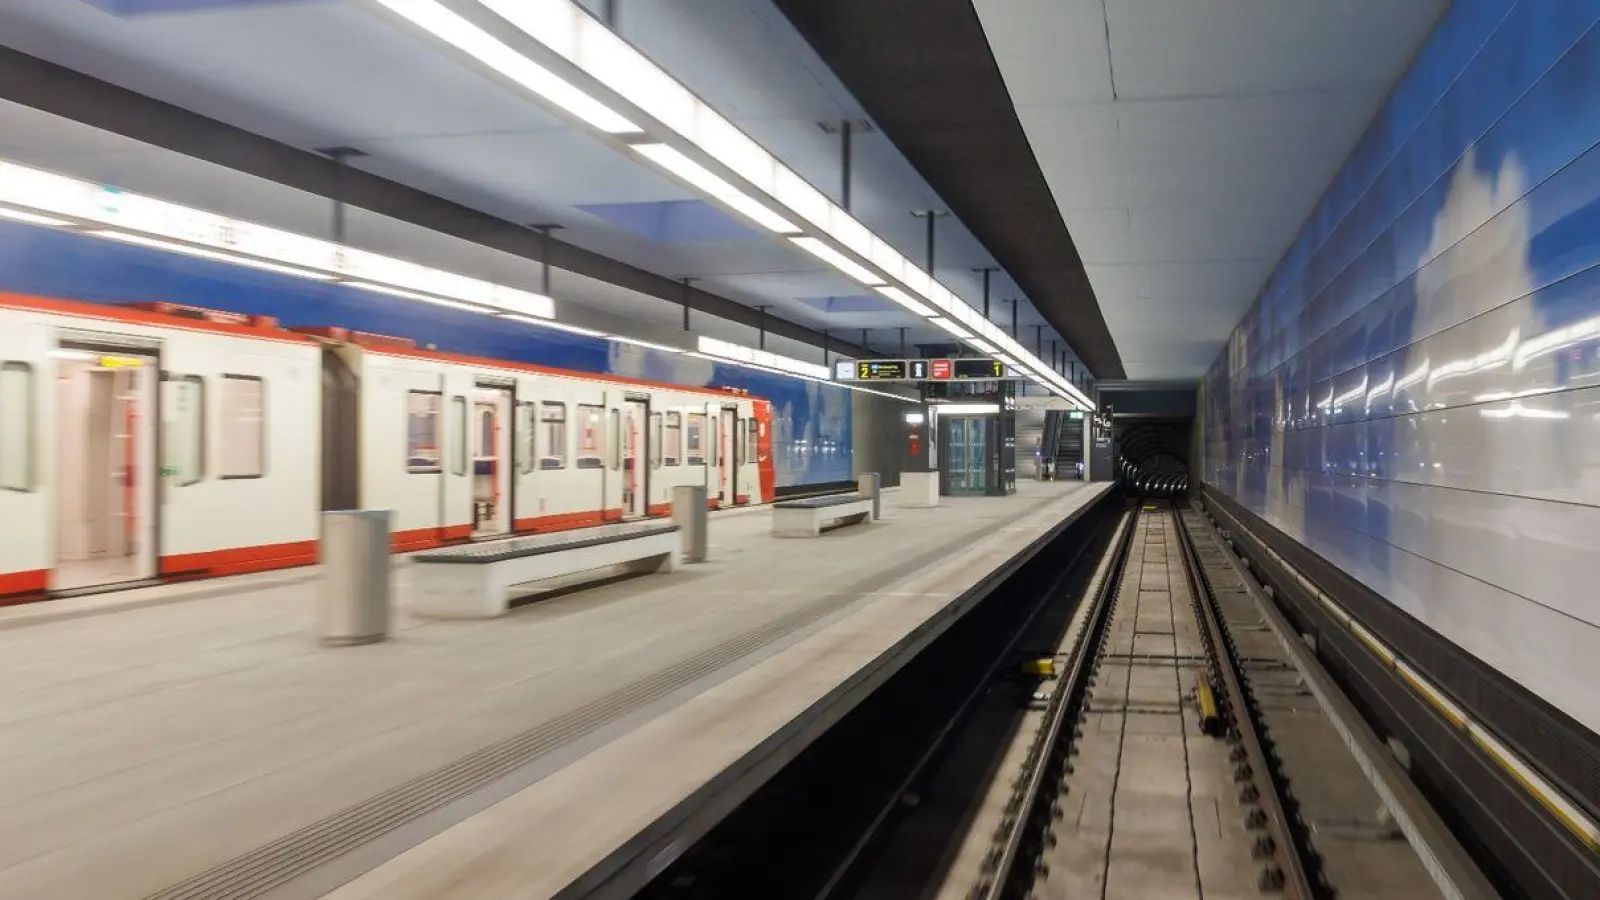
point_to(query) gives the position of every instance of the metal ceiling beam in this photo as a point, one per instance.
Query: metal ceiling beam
(925, 74)
(55, 89)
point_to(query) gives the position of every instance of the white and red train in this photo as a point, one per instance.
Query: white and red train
(158, 442)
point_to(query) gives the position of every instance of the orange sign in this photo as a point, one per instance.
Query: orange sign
(939, 368)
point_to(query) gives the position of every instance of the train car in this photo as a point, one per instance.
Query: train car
(156, 442)
(462, 447)
(145, 443)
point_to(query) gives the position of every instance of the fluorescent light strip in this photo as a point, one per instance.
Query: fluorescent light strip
(638, 343)
(698, 176)
(565, 28)
(202, 253)
(904, 299)
(982, 346)
(18, 215)
(557, 326)
(967, 409)
(451, 28)
(839, 261)
(413, 295)
(763, 359)
(952, 327)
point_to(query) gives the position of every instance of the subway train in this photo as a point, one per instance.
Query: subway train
(154, 441)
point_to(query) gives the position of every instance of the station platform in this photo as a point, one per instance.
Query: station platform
(208, 747)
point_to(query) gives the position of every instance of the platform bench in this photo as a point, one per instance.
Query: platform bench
(480, 580)
(808, 517)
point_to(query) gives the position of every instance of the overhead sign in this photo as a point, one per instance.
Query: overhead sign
(979, 368)
(881, 370)
(923, 370)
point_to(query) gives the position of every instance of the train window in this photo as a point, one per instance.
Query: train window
(185, 429)
(672, 444)
(243, 445)
(458, 459)
(615, 444)
(488, 447)
(20, 412)
(694, 441)
(553, 425)
(591, 428)
(422, 432)
(526, 457)
(752, 452)
(655, 440)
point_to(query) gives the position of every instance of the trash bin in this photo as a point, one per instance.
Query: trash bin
(353, 607)
(869, 484)
(689, 514)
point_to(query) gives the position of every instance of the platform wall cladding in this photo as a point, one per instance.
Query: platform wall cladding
(1415, 395)
(812, 422)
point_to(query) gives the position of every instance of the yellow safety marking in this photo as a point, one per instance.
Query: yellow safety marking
(1556, 807)
(1045, 668)
(1548, 797)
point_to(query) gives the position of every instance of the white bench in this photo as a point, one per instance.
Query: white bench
(480, 580)
(808, 517)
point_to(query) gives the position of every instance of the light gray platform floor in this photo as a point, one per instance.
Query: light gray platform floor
(140, 747)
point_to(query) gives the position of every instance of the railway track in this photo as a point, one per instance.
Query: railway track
(1153, 773)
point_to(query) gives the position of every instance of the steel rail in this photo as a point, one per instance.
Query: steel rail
(1029, 804)
(1296, 883)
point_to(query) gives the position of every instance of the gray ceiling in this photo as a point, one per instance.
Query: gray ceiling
(319, 73)
(1186, 142)
(1181, 143)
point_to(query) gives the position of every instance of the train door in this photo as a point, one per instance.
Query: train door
(25, 491)
(105, 460)
(614, 489)
(526, 505)
(492, 464)
(635, 452)
(455, 487)
(710, 422)
(728, 456)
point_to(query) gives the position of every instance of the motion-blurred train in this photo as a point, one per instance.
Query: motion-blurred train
(154, 441)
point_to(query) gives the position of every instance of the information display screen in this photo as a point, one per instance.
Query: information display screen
(978, 368)
(880, 370)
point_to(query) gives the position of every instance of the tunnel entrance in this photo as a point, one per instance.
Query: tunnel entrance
(1152, 426)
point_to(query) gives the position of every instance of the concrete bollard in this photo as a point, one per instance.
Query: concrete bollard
(354, 603)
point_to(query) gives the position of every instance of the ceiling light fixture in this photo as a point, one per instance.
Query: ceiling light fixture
(700, 177)
(609, 74)
(451, 28)
(952, 327)
(839, 261)
(904, 299)
(17, 215)
(218, 256)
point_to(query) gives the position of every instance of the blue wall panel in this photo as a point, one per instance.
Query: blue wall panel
(811, 421)
(1415, 394)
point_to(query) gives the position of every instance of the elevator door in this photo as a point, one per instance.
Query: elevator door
(967, 463)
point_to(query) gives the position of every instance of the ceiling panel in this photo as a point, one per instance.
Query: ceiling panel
(1229, 47)
(1060, 49)
(1185, 166)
